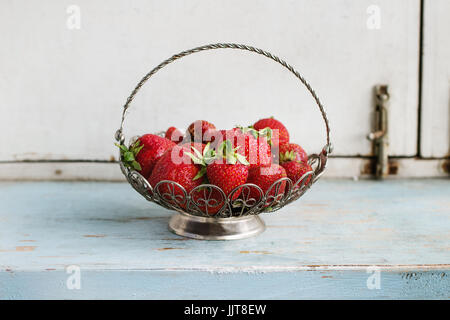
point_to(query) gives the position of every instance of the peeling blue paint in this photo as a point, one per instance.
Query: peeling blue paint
(318, 247)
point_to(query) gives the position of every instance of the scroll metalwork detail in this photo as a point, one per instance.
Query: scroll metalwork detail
(139, 183)
(171, 194)
(208, 200)
(245, 199)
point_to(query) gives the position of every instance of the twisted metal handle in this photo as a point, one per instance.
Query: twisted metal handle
(119, 134)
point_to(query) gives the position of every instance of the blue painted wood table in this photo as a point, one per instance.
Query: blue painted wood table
(343, 239)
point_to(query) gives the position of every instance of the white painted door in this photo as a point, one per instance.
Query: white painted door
(62, 88)
(435, 129)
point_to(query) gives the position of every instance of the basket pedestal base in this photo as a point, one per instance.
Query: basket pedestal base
(216, 228)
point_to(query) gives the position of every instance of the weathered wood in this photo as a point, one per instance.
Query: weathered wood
(320, 246)
(163, 284)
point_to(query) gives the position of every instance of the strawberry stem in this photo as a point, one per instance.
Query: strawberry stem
(128, 155)
(227, 152)
(266, 132)
(203, 160)
(287, 156)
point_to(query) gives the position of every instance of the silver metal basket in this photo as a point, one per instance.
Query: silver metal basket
(204, 216)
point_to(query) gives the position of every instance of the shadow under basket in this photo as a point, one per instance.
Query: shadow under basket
(206, 212)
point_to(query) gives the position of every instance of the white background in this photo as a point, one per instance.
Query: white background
(62, 89)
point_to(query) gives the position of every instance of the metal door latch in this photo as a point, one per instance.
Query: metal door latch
(380, 134)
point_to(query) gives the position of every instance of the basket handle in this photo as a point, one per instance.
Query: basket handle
(119, 134)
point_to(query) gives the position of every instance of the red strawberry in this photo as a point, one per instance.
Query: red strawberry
(280, 135)
(208, 200)
(245, 144)
(197, 130)
(255, 149)
(296, 169)
(229, 170)
(176, 165)
(213, 135)
(292, 151)
(265, 153)
(143, 154)
(265, 177)
(197, 145)
(175, 135)
(227, 176)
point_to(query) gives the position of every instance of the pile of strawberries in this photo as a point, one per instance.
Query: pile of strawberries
(259, 154)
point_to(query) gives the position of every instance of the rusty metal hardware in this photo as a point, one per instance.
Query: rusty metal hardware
(379, 136)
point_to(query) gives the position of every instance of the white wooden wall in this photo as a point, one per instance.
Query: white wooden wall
(62, 88)
(435, 131)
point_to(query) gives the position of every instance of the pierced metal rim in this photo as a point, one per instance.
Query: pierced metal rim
(182, 201)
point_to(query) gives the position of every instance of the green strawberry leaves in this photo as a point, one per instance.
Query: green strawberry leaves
(197, 158)
(136, 165)
(227, 152)
(266, 132)
(250, 130)
(208, 156)
(200, 174)
(287, 156)
(128, 155)
(242, 159)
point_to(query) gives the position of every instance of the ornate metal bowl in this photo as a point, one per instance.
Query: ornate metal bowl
(206, 212)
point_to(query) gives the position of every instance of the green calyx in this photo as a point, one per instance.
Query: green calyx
(250, 130)
(224, 151)
(208, 156)
(287, 156)
(266, 132)
(230, 154)
(128, 155)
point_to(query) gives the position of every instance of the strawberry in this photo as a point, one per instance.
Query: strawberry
(292, 151)
(197, 130)
(296, 169)
(255, 149)
(265, 153)
(279, 136)
(213, 136)
(229, 170)
(175, 135)
(176, 165)
(265, 177)
(143, 154)
(208, 200)
(197, 145)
